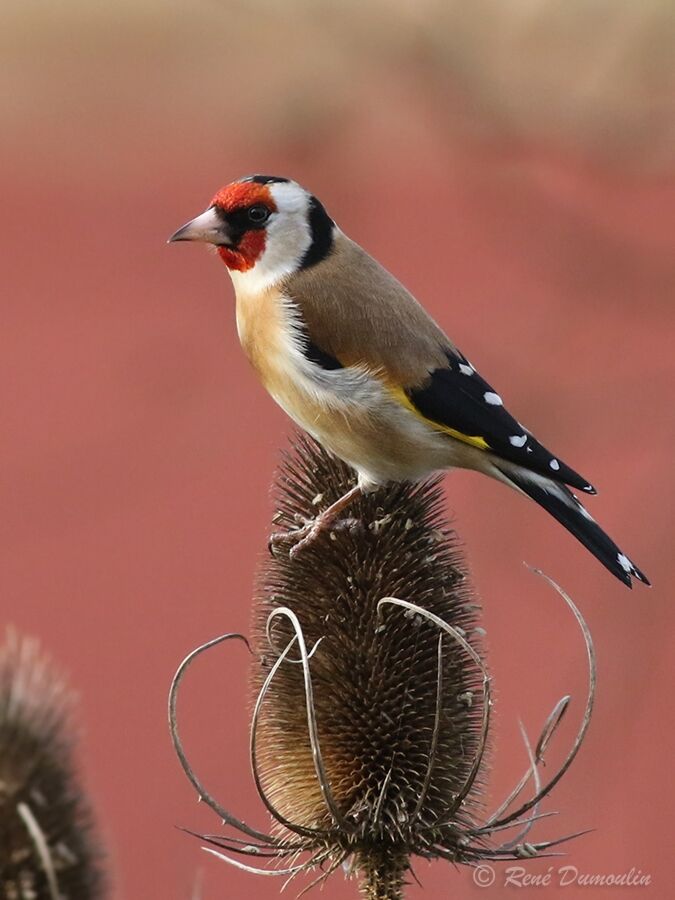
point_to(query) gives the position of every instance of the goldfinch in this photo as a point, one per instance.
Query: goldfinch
(354, 359)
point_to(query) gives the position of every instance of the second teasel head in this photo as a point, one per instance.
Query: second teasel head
(49, 848)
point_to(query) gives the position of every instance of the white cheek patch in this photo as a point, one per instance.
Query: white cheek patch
(289, 198)
(288, 237)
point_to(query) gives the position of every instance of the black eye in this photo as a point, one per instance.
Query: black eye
(258, 214)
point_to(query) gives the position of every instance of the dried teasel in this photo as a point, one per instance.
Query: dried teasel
(372, 712)
(48, 850)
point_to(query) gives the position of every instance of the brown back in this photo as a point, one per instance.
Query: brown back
(356, 311)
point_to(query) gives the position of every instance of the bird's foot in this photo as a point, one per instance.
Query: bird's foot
(300, 538)
(283, 541)
(304, 535)
(305, 540)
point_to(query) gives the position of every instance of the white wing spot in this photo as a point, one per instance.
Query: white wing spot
(625, 563)
(466, 369)
(518, 440)
(492, 398)
(554, 464)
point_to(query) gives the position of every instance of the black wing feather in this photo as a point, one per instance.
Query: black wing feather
(570, 513)
(457, 397)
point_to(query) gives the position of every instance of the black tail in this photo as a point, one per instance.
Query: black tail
(561, 503)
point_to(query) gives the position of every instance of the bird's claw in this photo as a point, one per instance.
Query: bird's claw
(300, 538)
(281, 539)
(308, 530)
(312, 533)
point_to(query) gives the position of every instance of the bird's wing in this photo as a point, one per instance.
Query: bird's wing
(356, 314)
(459, 401)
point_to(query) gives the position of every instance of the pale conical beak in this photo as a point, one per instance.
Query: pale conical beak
(209, 227)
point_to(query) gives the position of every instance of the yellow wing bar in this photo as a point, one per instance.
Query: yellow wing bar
(473, 440)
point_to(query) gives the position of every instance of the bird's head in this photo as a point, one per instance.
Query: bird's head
(264, 228)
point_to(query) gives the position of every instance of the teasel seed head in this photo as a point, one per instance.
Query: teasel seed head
(371, 717)
(48, 850)
(391, 692)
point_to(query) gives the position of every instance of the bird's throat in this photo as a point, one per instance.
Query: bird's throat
(247, 252)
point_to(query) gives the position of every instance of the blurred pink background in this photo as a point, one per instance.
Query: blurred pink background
(513, 165)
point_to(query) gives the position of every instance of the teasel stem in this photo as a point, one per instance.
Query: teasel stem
(383, 875)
